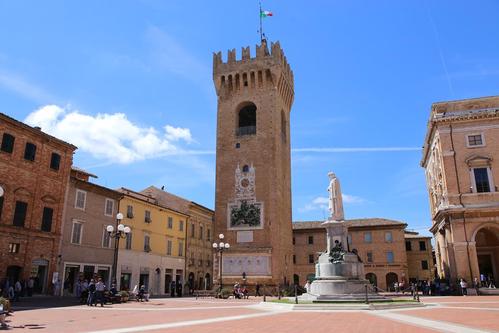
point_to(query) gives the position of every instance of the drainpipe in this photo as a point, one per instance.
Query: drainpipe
(461, 203)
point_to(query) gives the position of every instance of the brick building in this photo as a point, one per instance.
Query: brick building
(86, 247)
(460, 157)
(253, 171)
(419, 257)
(199, 236)
(34, 173)
(380, 244)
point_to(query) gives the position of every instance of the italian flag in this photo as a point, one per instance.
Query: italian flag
(265, 13)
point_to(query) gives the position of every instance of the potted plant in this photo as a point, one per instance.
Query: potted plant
(124, 296)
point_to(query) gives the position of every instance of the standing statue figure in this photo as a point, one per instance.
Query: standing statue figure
(335, 198)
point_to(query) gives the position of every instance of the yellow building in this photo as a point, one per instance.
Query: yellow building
(419, 257)
(154, 253)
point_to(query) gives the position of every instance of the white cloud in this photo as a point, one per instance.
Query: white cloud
(177, 133)
(322, 203)
(352, 199)
(110, 137)
(353, 149)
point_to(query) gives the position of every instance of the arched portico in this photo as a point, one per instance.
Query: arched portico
(486, 238)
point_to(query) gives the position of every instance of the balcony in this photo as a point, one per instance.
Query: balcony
(246, 130)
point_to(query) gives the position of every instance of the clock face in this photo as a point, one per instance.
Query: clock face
(245, 182)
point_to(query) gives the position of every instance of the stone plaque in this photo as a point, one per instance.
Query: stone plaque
(244, 236)
(251, 264)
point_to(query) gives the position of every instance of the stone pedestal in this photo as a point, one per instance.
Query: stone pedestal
(339, 274)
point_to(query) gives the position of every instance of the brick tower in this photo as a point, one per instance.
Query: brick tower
(253, 177)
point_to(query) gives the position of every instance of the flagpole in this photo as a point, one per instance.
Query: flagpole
(260, 14)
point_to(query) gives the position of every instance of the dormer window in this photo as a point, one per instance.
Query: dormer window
(475, 140)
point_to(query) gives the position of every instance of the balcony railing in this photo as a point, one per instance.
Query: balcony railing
(246, 130)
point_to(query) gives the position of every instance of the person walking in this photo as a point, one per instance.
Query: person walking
(17, 290)
(464, 286)
(100, 287)
(173, 286)
(31, 285)
(91, 293)
(257, 287)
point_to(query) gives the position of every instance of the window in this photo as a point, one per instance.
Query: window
(310, 258)
(389, 257)
(14, 247)
(30, 151)
(424, 264)
(106, 239)
(55, 161)
(368, 238)
(369, 257)
(128, 241)
(181, 225)
(129, 211)
(169, 247)
(238, 145)
(475, 140)
(47, 219)
(408, 246)
(247, 120)
(81, 198)
(7, 143)
(109, 207)
(180, 248)
(20, 213)
(294, 259)
(310, 239)
(294, 241)
(1, 206)
(147, 245)
(76, 233)
(147, 216)
(422, 246)
(170, 222)
(481, 180)
(200, 232)
(193, 232)
(208, 234)
(388, 237)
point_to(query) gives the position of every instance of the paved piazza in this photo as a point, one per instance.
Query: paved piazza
(186, 315)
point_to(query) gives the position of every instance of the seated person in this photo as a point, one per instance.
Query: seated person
(3, 314)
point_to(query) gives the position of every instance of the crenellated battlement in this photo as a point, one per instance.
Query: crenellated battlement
(268, 68)
(274, 56)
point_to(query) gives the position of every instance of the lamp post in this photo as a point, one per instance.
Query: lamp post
(121, 232)
(221, 247)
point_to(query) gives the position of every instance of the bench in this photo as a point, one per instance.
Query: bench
(205, 293)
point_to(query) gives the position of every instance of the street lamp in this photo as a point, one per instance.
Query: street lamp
(121, 232)
(221, 247)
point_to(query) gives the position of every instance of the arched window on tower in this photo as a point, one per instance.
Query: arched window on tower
(246, 168)
(246, 124)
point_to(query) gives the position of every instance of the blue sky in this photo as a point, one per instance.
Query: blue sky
(129, 82)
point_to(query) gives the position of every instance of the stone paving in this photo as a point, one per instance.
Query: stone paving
(474, 314)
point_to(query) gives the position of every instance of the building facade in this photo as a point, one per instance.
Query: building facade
(379, 243)
(153, 254)
(253, 177)
(419, 257)
(34, 173)
(460, 158)
(199, 236)
(87, 250)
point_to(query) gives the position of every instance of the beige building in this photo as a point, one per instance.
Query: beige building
(199, 236)
(253, 176)
(87, 250)
(380, 244)
(419, 257)
(460, 157)
(153, 254)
